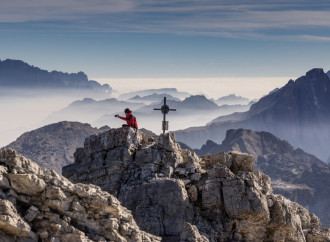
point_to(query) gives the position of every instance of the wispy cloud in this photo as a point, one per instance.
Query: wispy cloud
(235, 19)
(32, 10)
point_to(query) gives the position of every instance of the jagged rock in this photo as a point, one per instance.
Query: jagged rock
(38, 204)
(28, 184)
(171, 209)
(177, 195)
(190, 233)
(12, 223)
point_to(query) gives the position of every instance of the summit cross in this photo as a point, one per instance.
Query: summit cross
(165, 110)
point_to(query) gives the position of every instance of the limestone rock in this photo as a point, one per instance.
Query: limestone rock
(12, 224)
(177, 195)
(38, 204)
(190, 233)
(171, 206)
(28, 184)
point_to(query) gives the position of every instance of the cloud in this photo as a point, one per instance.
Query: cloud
(233, 19)
(33, 10)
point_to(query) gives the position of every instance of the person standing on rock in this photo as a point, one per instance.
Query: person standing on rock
(130, 119)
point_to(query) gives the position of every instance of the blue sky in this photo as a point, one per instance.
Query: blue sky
(165, 39)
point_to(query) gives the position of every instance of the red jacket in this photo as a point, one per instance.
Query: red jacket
(130, 120)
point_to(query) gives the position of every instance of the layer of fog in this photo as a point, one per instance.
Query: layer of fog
(102, 113)
(23, 110)
(212, 87)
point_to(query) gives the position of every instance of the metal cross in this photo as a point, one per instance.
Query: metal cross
(165, 109)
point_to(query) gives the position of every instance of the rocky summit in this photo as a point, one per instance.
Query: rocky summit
(179, 196)
(53, 145)
(37, 204)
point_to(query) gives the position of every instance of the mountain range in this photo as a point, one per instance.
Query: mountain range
(155, 97)
(193, 105)
(298, 112)
(297, 175)
(192, 110)
(170, 91)
(88, 110)
(52, 146)
(232, 99)
(18, 74)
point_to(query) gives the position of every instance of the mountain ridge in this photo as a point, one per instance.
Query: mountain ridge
(171, 91)
(18, 74)
(153, 98)
(298, 112)
(232, 99)
(52, 146)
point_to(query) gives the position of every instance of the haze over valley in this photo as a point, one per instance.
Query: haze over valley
(42, 103)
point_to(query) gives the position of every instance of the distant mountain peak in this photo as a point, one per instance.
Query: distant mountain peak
(18, 74)
(142, 93)
(249, 138)
(298, 112)
(199, 101)
(232, 99)
(196, 97)
(315, 72)
(56, 142)
(154, 97)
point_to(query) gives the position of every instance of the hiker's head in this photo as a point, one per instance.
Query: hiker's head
(127, 110)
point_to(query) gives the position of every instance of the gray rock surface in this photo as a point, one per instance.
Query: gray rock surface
(177, 195)
(53, 145)
(295, 174)
(37, 204)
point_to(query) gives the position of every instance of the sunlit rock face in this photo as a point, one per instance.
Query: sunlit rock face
(37, 204)
(177, 195)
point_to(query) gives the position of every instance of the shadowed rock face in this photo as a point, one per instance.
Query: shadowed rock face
(297, 175)
(177, 195)
(52, 146)
(37, 204)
